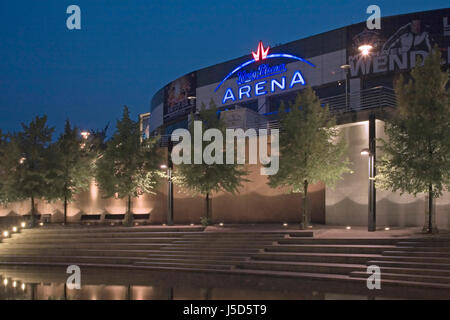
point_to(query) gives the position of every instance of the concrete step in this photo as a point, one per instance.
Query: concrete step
(224, 251)
(110, 229)
(77, 252)
(210, 261)
(302, 234)
(67, 259)
(198, 256)
(416, 271)
(413, 265)
(340, 241)
(425, 243)
(87, 240)
(117, 246)
(435, 254)
(315, 257)
(324, 248)
(422, 249)
(406, 277)
(170, 251)
(183, 265)
(419, 259)
(328, 268)
(215, 245)
(102, 235)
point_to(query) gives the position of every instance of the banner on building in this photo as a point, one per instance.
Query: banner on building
(179, 97)
(400, 43)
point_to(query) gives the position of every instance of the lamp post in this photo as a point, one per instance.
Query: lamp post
(346, 68)
(169, 168)
(371, 152)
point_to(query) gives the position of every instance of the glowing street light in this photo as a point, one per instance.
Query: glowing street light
(365, 49)
(85, 134)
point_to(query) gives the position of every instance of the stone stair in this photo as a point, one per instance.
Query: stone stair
(417, 262)
(162, 248)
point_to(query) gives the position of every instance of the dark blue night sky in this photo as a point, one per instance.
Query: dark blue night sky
(128, 49)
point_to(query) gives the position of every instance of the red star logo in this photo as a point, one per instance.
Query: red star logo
(260, 54)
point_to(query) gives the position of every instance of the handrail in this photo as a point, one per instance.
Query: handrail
(372, 98)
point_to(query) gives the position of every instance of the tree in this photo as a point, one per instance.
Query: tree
(11, 159)
(72, 165)
(29, 171)
(207, 178)
(417, 153)
(129, 166)
(311, 149)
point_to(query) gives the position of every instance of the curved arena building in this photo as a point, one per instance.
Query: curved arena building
(352, 69)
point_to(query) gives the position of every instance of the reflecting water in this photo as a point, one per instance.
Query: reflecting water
(37, 285)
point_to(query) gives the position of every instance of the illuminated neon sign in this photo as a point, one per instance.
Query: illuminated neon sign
(264, 70)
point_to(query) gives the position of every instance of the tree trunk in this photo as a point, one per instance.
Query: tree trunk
(33, 213)
(129, 216)
(305, 207)
(430, 209)
(65, 209)
(207, 203)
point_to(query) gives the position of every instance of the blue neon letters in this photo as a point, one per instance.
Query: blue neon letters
(263, 87)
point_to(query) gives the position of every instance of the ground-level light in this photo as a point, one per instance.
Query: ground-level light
(221, 224)
(14, 229)
(387, 229)
(23, 225)
(5, 234)
(285, 224)
(348, 228)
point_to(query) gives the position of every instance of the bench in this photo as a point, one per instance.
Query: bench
(142, 218)
(112, 218)
(88, 218)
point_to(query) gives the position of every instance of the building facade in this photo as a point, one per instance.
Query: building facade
(356, 82)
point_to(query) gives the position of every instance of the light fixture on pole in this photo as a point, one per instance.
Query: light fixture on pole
(346, 68)
(371, 153)
(365, 49)
(169, 168)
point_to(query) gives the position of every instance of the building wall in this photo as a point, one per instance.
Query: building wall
(347, 203)
(256, 202)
